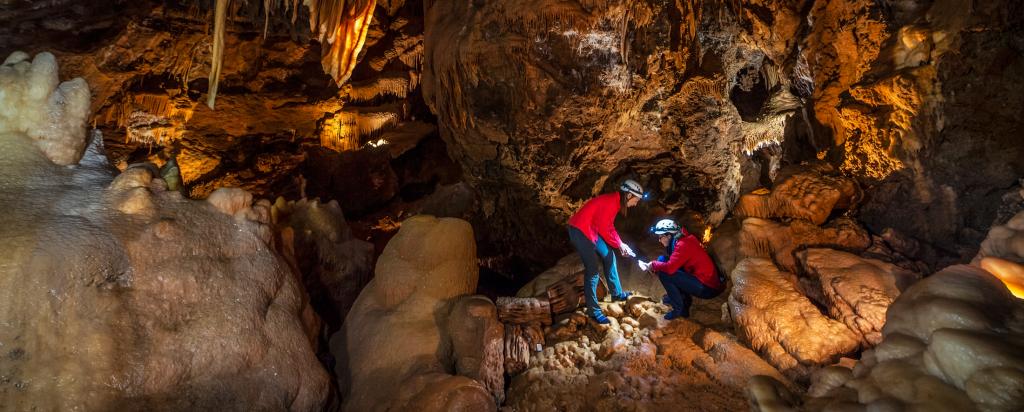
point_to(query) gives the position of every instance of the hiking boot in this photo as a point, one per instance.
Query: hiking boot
(676, 314)
(600, 318)
(623, 297)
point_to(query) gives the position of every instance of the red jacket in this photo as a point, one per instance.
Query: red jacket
(597, 217)
(689, 255)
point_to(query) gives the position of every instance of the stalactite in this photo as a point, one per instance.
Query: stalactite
(343, 25)
(219, 21)
(397, 86)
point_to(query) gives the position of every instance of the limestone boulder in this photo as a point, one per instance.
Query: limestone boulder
(857, 291)
(116, 294)
(333, 263)
(778, 241)
(1005, 241)
(781, 323)
(396, 337)
(951, 343)
(808, 195)
(478, 343)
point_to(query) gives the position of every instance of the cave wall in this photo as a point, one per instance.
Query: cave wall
(547, 103)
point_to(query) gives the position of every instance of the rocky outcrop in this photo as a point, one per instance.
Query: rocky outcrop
(477, 343)
(951, 342)
(857, 291)
(394, 352)
(334, 265)
(639, 361)
(119, 294)
(778, 241)
(903, 105)
(807, 194)
(781, 323)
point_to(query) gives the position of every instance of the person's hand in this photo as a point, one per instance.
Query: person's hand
(644, 266)
(626, 251)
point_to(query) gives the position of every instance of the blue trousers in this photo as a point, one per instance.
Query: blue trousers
(590, 252)
(682, 287)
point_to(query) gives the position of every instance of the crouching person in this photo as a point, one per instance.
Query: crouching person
(686, 272)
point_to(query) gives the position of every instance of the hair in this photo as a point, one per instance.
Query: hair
(623, 199)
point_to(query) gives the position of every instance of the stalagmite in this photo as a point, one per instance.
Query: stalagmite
(219, 26)
(34, 102)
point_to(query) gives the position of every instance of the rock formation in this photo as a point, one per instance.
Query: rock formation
(951, 342)
(395, 336)
(335, 266)
(857, 291)
(781, 323)
(639, 361)
(119, 294)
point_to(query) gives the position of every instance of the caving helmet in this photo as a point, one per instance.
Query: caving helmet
(665, 226)
(632, 187)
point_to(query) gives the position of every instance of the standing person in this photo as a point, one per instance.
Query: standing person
(592, 233)
(687, 272)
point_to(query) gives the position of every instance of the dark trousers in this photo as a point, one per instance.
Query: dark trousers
(590, 253)
(682, 287)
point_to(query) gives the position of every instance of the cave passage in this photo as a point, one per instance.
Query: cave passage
(579, 205)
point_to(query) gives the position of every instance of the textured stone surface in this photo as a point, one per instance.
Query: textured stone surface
(334, 264)
(118, 294)
(807, 195)
(478, 343)
(781, 323)
(951, 342)
(392, 337)
(857, 291)
(778, 241)
(682, 363)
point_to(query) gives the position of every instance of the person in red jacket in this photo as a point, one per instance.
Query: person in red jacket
(687, 272)
(592, 233)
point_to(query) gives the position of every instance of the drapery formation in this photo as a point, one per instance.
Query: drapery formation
(340, 26)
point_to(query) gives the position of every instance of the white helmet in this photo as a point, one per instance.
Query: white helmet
(632, 187)
(665, 226)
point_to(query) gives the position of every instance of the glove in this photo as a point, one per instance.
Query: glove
(626, 251)
(644, 266)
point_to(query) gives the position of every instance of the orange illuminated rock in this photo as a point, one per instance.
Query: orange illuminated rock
(781, 323)
(858, 291)
(778, 241)
(805, 195)
(951, 342)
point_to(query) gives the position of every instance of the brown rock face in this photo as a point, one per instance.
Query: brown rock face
(779, 241)
(918, 105)
(547, 103)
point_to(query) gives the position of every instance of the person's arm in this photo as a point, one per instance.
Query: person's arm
(674, 262)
